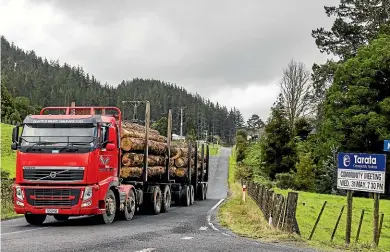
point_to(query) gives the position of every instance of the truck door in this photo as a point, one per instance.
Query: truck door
(108, 157)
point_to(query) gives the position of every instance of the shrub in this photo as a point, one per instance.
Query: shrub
(243, 172)
(285, 180)
(304, 178)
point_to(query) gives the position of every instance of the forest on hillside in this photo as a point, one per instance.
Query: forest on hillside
(342, 105)
(30, 82)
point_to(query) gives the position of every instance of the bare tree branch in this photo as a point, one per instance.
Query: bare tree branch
(297, 91)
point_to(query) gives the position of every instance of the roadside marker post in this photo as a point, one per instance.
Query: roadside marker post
(243, 192)
(362, 172)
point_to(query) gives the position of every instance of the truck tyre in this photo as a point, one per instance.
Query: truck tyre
(186, 195)
(35, 219)
(130, 207)
(61, 217)
(156, 200)
(192, 195)
(109, 216)
(166, 199)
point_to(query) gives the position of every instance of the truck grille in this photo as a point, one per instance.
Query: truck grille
(53, 173)
(59, 197)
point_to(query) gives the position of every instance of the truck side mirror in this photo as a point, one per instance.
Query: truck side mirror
(110, 146)
(15, 138)
(112, 137)
(15, 134)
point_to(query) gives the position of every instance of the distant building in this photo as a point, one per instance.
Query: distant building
(177, 137)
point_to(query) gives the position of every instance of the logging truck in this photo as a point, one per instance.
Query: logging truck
(69, 163)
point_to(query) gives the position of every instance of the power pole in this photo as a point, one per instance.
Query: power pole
(181, 121)
(135, 106)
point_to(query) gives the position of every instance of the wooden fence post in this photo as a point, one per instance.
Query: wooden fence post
(291, 222)
(261, 197)
(318, 219)
(270, 206)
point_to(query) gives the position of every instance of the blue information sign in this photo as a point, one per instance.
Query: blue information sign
(386, 145)
(361, 161)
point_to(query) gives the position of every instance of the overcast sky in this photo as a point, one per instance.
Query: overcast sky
(232, 52)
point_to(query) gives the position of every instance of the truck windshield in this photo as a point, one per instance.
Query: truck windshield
(58, 135)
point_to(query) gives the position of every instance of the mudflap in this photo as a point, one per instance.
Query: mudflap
(123, 193)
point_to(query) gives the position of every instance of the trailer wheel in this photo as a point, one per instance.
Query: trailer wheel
(156, 200)
(130, 207)
(61, 217)
(110, 202)
(166, 199)
(186, 199)
(35, 219)
(192, 195)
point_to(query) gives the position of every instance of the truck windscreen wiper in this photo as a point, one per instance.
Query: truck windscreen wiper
(37, 144)
(71, 145)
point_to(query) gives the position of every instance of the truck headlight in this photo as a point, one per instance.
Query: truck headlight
(19, 193)
(87, 193)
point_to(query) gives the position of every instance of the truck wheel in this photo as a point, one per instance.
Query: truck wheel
(186, 196)
(192, 195)
(156, 200)
(61, 217)
(35, 219)
(166, 199)
(130, 207)
(109, 216)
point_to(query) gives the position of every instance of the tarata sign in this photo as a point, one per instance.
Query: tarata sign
(361, 172)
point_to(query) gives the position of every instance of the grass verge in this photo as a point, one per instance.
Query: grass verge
(8, 213)
(246, 218)
(8, 159)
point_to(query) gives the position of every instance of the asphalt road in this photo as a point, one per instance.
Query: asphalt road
(187, 229)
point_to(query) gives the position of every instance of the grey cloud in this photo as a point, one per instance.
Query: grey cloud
(239, 42)
(202, 44)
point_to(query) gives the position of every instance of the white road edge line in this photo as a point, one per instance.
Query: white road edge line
(209, 217)
(216, 205)
(146, 250)
(22, 231)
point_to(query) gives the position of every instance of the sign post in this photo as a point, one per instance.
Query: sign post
(361, 172)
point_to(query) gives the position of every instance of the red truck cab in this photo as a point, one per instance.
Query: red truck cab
(67, 164)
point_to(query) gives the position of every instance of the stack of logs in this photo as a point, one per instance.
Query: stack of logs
(133, 146)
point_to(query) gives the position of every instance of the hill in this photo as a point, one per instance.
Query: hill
(34, 82)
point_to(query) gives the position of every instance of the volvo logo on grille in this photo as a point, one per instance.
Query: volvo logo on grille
(52, 174)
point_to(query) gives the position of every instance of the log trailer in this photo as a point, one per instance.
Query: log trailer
(68, 164)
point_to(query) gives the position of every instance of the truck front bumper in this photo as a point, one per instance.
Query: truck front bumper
(55, 200)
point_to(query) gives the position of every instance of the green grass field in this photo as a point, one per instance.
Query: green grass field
(309, 206)
(8, 156)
